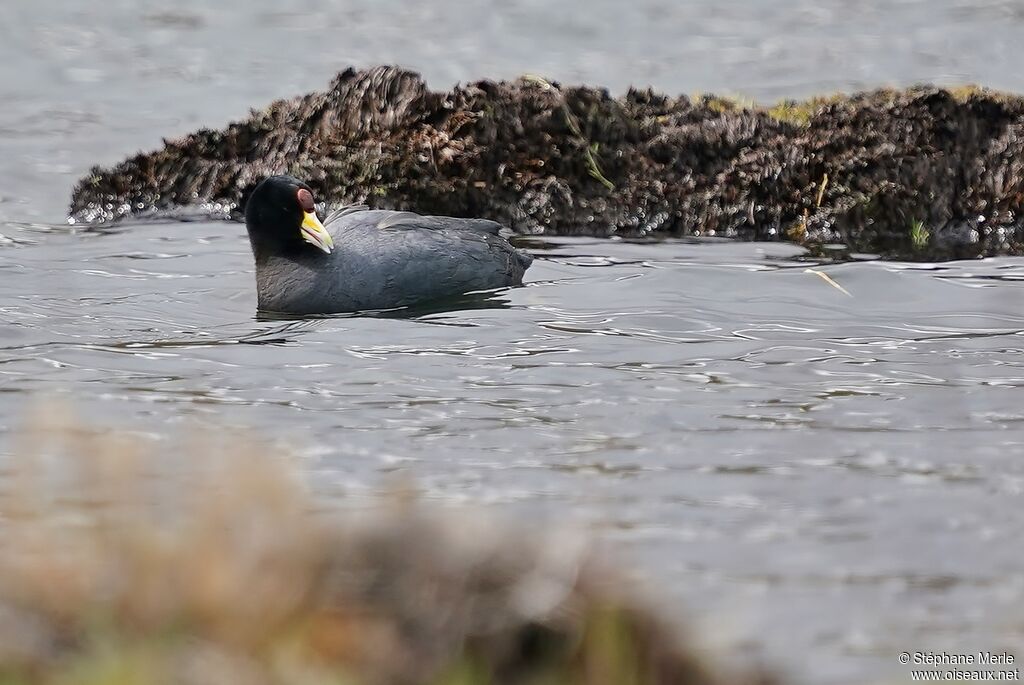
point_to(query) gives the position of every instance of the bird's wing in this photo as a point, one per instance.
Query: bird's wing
(410, 220)
(344, 210)
(391, 220)
(394, 258)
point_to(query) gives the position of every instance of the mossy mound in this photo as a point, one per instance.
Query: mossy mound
(923, 173)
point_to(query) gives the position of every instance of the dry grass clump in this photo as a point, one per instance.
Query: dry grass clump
(126, 560)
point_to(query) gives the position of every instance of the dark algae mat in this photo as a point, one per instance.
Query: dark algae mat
(922, 173)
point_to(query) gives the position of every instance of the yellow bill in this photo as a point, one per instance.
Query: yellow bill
(314, 232)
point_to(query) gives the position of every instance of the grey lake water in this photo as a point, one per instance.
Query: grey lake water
(815, 477)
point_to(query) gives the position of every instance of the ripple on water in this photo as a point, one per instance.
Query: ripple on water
(735, 421)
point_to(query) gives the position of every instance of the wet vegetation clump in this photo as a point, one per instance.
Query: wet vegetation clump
(922, 173)
(209, 562)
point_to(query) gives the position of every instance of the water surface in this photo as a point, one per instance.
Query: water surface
(763, 446)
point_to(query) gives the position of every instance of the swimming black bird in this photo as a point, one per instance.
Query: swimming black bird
(361, 259)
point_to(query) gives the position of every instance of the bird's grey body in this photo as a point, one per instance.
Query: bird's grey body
(383, 259)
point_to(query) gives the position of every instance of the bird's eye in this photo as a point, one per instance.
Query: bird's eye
(306, 200)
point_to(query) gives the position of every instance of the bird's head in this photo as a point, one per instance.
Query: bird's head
(280, 215)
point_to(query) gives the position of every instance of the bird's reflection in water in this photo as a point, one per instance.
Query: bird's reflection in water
(423, 312)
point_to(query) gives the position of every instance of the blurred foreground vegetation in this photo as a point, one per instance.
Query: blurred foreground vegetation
(126, 560)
